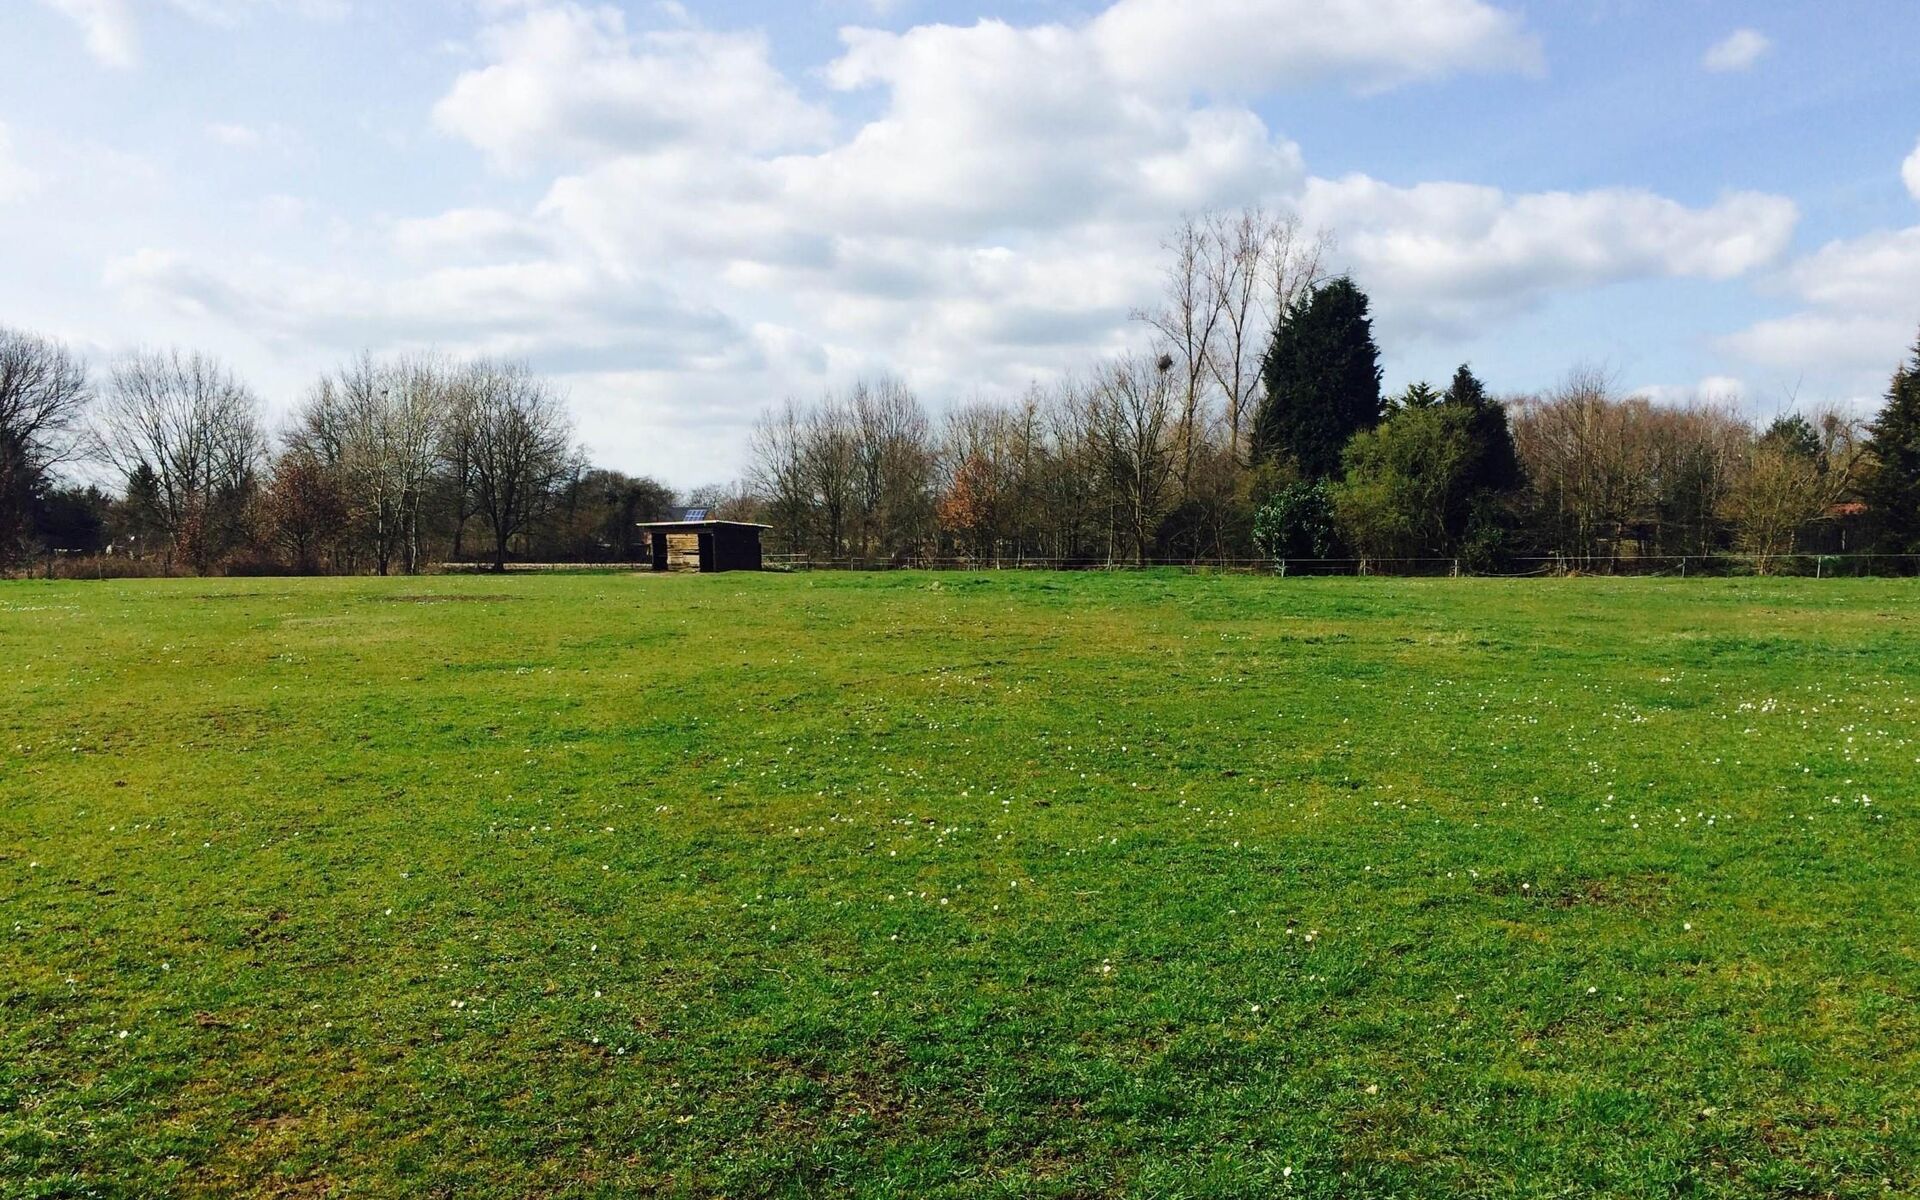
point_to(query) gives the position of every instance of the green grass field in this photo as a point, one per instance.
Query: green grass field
(940, 885)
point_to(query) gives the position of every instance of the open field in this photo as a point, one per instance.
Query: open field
(946, 885)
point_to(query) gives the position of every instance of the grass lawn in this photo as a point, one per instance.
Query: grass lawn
(942, 885)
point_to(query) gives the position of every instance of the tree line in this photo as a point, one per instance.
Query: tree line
(385, 466)
(1255, 426)
(1251, 424)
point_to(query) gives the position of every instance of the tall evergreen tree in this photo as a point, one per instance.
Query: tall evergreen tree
(1322, 377)
(1495, 464)
(1417, 395)
(1892, 487)
(1793, 434)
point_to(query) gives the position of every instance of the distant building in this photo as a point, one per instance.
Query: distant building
(1844, 529)
(691, 542)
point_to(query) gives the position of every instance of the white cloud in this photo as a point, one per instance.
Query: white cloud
(112, 35)
(234, 135)
(1714, 389)
(1724, 388)
(1740, 50)
(1910, 172)
(468, 234)
(107, 26)
(716, 239)
(991, 126)
(571, 83)
(1447, 257)
(16, 181)
(1875, 271)
(1862, 306)
(234, 12)
(1861, 346)
(572, 314)
(1258, 46)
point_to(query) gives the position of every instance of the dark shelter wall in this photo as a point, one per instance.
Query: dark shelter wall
(721, 546)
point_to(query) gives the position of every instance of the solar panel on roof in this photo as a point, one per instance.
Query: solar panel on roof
(695, 514)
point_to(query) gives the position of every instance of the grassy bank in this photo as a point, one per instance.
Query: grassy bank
(945, 885)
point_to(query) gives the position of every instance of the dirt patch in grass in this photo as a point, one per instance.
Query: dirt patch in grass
(818, 1096)
(1638, 893)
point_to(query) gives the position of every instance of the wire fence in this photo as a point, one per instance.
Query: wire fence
(1679, 566)
(515, 568)
(1817, 566)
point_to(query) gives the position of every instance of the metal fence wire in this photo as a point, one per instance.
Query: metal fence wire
(1818, 566)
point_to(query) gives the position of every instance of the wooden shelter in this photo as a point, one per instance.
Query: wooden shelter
(694, 543)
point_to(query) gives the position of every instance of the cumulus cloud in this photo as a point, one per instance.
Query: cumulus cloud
(1714, 389)
(112, 34)
(468, 234)
(234, 12)
(1740, 50)
(106, 25)
(992, 125)
(1910, 172)
(1446, 257)
(1861, 305)
(1264, 45)
(1878, 270)
(562, 312)
(714, 236)
(1863, 346)
(567, 83)
(1000, 209)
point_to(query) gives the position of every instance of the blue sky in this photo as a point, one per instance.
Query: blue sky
(690, 211)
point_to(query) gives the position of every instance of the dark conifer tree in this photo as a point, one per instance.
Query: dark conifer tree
(1495, 465)
(1322, 377)
(1892, 488)
(1794, 434)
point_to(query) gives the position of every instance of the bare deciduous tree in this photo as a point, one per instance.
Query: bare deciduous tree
(1573, 444)
(305, 512)
(1188, 322)
(894, 456)
(418, 399)
(189, 433)
(44, 395)
(1132, 414)
(1794, 474)
(830, 469)
(1076, 511)
(1612, 474)
(379, 428)
(520, 440)
(1258, 266)
(977, 479)
(777, 474)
